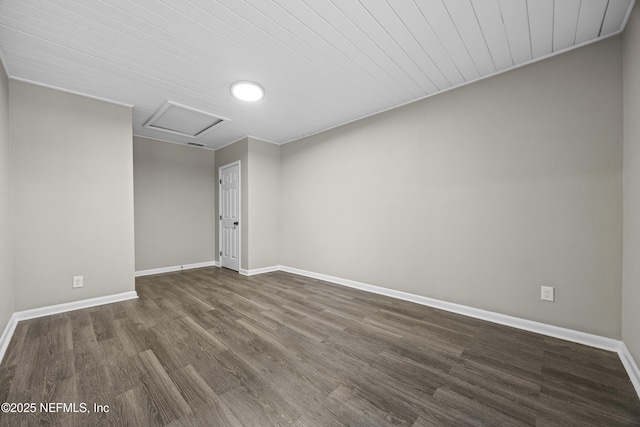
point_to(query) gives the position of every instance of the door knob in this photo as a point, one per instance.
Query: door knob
(236, 223)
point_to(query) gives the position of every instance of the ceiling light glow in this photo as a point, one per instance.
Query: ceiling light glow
(247, 91)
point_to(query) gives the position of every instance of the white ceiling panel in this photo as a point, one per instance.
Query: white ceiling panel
(617, 11)
(322, 62)
(436, 14)
(491, 21)
(516, 24)
(409, 13)
(565, 23)
(541, 27)
(411, 74)
(407, 43)
(590, 20)
(354, 59)
(357, 45)
(466, 22)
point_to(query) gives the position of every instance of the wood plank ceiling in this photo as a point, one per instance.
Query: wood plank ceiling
(322, 62)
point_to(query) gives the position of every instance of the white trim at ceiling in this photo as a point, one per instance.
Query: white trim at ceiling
(184, 144)
(247, 136)
(262, 139)
(506, 70)
(627, 16)
(233, 142)
(4, 65)
(72, 92)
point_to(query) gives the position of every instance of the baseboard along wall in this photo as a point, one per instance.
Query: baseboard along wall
(528, 325)
(56, 309)
(259, 270)
(176, 268)
(571, 335)
(631, 366)
(515, 322)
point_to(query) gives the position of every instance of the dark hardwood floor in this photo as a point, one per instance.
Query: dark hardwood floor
(209, 347)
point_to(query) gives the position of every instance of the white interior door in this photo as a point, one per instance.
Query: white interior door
(230, 216)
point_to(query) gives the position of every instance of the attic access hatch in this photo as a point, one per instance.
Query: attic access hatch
(182, 120)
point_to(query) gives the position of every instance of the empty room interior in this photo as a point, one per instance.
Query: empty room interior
(320, 213)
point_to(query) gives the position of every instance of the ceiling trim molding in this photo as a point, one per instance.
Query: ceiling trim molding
(183, 144)
(262, 139)
(247, 136)
(627, 16)
(72, 92)
(515, 67)
(4, 65)
(126, 64)
(233, 142)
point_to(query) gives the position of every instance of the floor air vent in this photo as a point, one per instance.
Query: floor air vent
(182, 120)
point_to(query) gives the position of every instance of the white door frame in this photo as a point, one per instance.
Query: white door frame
(239, 212)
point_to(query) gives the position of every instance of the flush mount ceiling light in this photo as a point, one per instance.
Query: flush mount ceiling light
(247, 91)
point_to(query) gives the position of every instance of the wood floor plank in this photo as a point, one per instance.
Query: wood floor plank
(136, 408)
(354, 408)
(434, 414)
(163, 393)
(102, 325)
(522, 394)
(391, 394)
(506, 405)
(475, 409)
(209, 347)
(281, 372)
(7, 373)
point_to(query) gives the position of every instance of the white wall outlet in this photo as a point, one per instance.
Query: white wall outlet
(78, 281)
(547, 293)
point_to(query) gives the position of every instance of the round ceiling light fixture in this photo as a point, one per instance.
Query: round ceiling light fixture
(247, 91)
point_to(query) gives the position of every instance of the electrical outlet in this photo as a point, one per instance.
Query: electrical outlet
(78, 281)
(547, 293)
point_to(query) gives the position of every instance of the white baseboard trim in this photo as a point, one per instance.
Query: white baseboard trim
(75, 305)
(571, 335)
(631, 366)
(7, 334)
(176, 268)
(260, 270)
(515, 322)
(56, 309)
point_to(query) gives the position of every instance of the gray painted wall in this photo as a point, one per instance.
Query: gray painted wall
(260, 200)
(6, 239)
(175, 196)
(264, 204)
(631, 263)
(238, 151)
(477, 196)
(72, 196)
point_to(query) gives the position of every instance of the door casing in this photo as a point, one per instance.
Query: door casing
(220, 210)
